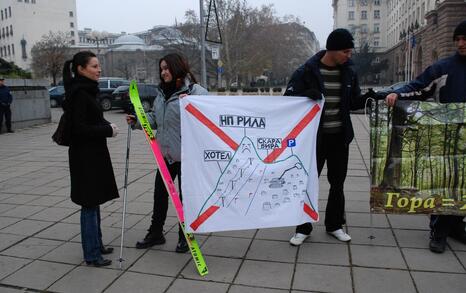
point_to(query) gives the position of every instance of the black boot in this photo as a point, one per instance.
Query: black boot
(438, 244)
(102, 262)
(182, 245)
(152, 238)
(106, 250)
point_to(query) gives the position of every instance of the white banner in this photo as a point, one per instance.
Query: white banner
(248, 162)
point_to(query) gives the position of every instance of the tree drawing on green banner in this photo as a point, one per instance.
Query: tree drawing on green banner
(418, 152)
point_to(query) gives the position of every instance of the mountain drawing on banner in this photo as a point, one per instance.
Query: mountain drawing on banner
(248, 184)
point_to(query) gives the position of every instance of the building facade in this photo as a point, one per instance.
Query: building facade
(91, 38)
(24, 22)
(364, 19)
(409, 34)
(421, 46)
(136, 56)
(404, 16)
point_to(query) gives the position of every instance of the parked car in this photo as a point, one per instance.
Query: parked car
(106, 86)
(147, 94)
(386, 90)
(57, 94)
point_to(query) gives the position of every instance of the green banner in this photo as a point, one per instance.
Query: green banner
(418, 158)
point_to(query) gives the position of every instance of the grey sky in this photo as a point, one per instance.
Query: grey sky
(139, 15)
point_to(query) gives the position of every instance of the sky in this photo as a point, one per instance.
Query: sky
(139, 15)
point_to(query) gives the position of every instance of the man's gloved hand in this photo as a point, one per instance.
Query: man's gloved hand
(313, 94)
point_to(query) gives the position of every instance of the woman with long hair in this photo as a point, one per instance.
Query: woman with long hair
(176, 81)
(92, 178)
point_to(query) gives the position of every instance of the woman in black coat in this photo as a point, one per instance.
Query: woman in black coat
(92, 178)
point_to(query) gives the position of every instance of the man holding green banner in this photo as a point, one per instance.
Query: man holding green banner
(445, 80)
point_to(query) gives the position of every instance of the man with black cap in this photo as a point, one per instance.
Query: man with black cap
(5, 101)
(445, 81)
(329, 73)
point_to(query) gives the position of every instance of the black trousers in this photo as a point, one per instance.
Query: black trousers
(5, 111)
(331, 148)
(159, 212)
(442, 226)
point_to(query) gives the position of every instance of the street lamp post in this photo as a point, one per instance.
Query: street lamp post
(203, 65)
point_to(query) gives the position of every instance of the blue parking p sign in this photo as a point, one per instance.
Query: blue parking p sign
(291, 142)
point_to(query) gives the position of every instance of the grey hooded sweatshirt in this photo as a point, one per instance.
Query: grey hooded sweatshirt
(165, 117)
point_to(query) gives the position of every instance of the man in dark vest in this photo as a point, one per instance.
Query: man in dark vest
(329, 73)
(5, 102)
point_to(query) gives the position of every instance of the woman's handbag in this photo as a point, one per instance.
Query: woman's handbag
(62, 136)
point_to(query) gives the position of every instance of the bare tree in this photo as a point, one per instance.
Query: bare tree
(49, 55)
(254, 42)
(366, 64)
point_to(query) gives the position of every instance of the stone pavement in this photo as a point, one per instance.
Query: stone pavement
(40, 241)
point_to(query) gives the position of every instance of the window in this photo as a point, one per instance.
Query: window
(377, 14)
(11, 30)
(2, 14)
(376, 28)
(377, 2)
(71, 13)
(72, 42)
(24, 54)
(423, 12)
(13, 49)
(6, 14)
(350, 3)
(363, 2)
(71, 24)
(33, 1)
(363, 28)
(9, 11)
(26, 1)
(9, 50)
(103, 84)
(116, 83)
(72, 33)
(364, 14)
(351, 15)
(376, 42)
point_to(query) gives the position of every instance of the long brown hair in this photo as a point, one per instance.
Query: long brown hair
(178, 67)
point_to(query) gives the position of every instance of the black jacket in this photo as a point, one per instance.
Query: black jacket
(92, 178)
(307, 79)
(5, 96)
(445, 81)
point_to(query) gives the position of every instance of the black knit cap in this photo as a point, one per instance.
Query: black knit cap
(460, 30)
(340, 39)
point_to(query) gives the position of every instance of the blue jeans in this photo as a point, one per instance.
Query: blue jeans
(91, 235)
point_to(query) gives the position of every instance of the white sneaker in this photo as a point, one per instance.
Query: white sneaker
(298, 239)
(340, 235)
